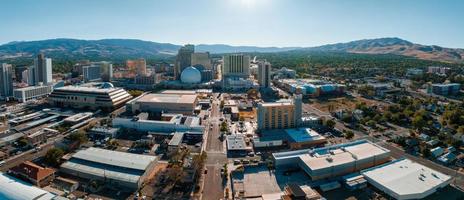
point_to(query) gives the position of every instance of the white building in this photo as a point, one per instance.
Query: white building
(6, 80)
(236, 72)
(12, 188)
(32, 92)
(104, 96)
(405, 179)
(169, 123)
(91, 73)
(333, 161)
(106, 70)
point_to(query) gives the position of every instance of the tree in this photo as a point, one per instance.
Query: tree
(80, 136)
(224, 127)
(349, 135)
(135, 93)
(53, 156)
(426, 152)
(371, 123)
(330, 123)
(22, 142)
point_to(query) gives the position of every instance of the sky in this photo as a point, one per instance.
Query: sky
(282, 23)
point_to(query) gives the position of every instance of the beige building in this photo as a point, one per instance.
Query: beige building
(236, 65)
(201, 58)
(167, 103)
(89, 97)
(282, 114)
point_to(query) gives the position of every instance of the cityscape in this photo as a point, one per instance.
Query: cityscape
(94, 119)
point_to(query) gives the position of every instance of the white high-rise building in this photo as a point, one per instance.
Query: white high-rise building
(6, 80)
(264, 74)
(106, 70)
(236, 65)
(91, 73)
(43, 70)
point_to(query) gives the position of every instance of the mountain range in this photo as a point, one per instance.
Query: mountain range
(132, 48)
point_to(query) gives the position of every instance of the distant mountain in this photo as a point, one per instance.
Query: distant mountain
(120, 49)
(395, 46)
(87, 49)
(112, 49)
(222, 48)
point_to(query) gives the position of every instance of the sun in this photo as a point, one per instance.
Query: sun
(248, 3)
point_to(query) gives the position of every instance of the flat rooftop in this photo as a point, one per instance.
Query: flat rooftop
(115, 158)
(236, 142)
(168, 98)
(191, 92)
(73, 88)
(12, 188)
(404, 177)
(335, 155)
(303, 135)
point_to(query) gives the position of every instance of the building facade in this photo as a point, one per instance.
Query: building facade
(236, 65)
(6, 80)
(264, 74)
(203, 59)
(280, 115)
(91, 73)
(32, 92)
(183, 59)
(43, 70)
(89, 97)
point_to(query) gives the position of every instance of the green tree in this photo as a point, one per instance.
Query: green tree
(330, 123)
(53, 156)
(80, 136)
(349, 135)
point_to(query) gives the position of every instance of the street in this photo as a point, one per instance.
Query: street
(212, 186)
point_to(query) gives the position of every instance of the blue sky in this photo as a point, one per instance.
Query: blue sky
(235, 22)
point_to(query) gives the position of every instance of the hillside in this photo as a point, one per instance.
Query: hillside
(395, 46)
(121, 49)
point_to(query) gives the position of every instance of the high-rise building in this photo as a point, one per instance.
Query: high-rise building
(91, 73)
(18, 73)
(106, 70)
(183, 59)
(282, 114)
(264, 74)
(236, 65)
(6, 80)
(203, 59)
(43, 70)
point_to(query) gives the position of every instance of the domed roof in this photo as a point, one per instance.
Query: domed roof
(107, 85)
(190, 75)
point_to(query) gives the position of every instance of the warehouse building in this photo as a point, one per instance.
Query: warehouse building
(120, 169)
(13, 188)
(333, 161)
(168, 123)
(104, 97)
(405, 179)
(166, 103)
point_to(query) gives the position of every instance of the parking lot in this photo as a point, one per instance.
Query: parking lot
(258, 180)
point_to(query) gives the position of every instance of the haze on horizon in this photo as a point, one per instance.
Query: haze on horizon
(302, 23)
